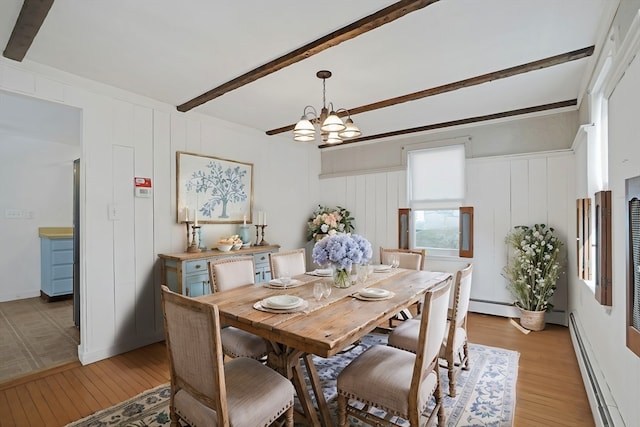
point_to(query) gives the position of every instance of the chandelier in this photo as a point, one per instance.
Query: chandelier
(332, 129)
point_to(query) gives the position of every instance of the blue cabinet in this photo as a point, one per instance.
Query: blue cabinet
(188, 273)
(56, 262)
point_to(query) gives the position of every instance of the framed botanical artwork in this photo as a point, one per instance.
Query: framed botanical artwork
(211, 190)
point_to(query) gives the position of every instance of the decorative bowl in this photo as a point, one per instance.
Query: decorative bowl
(224, 247)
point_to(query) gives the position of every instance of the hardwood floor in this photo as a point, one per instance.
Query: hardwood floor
(549, 392)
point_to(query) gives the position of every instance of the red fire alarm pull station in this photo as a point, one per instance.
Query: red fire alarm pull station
(142, 187)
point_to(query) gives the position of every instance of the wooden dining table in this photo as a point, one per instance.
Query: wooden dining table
(323, 327)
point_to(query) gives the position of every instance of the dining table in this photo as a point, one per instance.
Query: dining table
(321, 327)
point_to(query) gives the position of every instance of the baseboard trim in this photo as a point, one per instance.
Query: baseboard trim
(605, 411)
(95, 356)
(557, 317)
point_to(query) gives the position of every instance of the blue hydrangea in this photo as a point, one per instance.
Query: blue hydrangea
(343, 250)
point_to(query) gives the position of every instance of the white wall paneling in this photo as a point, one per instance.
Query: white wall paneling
(124, 250)
(125, 135)
(505, 191)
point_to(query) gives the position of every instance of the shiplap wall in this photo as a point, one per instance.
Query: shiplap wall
(504, 191)
(123, 136)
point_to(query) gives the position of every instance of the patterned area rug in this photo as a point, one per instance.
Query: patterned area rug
(485, 393)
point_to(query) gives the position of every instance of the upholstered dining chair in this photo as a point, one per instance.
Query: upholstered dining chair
(454, 351)
(292, 263)
(229, 273)
(205, 391)
(408, 258)
(397, 381)
(412, 259)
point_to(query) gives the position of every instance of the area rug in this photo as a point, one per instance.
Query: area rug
(485, 393)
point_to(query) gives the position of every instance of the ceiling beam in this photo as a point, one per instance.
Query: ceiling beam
(473, 81)
(361, 26)
(27, 25)
(504, 114)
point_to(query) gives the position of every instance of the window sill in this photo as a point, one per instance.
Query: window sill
(589, 284)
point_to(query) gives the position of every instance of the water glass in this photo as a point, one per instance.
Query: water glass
(327, 287)
(318, 291)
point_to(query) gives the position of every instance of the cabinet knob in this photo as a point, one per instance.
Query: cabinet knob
(198, 266)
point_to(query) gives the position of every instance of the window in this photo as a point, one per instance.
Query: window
(633, 264)
(436, 229)
(436, 187)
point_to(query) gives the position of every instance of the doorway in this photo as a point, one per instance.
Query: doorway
(39, 141)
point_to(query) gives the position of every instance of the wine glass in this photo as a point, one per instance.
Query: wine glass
(318, 291)
(285, 278)
(395, 262)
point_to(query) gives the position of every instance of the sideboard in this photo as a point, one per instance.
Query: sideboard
(187, 273)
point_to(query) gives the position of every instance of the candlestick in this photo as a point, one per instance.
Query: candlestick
(193, 247)
(262, 241)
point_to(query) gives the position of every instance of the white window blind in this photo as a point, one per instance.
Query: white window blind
(436, 174)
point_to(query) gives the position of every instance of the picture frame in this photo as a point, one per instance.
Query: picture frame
(213, 190)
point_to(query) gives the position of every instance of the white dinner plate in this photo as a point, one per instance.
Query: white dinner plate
(278, 282)
(381, 267)
(282, 302)
(322, 272)
(374, 293)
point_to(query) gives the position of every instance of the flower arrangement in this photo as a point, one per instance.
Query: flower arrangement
(534, 268)
(341, 251)
(329, 221)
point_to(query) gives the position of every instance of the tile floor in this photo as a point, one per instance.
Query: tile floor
(36, 334)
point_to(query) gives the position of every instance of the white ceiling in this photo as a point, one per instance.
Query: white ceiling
(173, 51)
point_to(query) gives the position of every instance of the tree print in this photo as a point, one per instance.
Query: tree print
(220, 186)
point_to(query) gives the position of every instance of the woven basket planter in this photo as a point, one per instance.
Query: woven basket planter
(532, 320)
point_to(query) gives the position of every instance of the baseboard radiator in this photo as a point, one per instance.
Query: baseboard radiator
(604, 413)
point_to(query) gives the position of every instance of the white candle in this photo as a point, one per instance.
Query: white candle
(244, 219)
(259, 217)
(186, 213)
(195, 214)
(264, 218)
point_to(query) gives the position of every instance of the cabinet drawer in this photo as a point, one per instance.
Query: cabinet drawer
(61, 244)
(61, 257)
(61, 287)
(197, 266)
